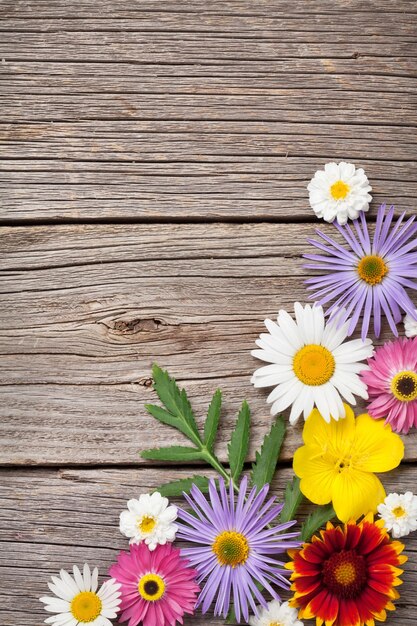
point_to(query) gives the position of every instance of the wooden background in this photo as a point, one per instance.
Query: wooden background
(155, 157)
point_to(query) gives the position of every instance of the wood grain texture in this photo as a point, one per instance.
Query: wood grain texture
(201, 111)
(52, 519)
(95, 306)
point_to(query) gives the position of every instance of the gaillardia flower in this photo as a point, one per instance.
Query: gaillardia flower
(311, 365)
(338, 461)
(236, 547)
(368, 275)
(77, 600)
(339, 192)
(347, 576)
(158, 587)
(149, 519)
(399, 513)
(392, 384)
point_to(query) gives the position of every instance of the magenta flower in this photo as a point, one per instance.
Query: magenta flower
(370, 275)
(157, 587)
(392, 384)
(236, 547)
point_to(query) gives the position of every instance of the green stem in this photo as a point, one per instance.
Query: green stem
(213, 461)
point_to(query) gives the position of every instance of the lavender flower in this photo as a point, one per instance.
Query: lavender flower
(371, 274)
(236, 547)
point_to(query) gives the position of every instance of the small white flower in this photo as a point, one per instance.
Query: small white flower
(339, 192)
(399, 512)
(77, 600)
(311, 364)
(410, 325)
(276, 614)
(149, 519)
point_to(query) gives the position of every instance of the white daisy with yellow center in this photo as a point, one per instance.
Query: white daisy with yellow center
(311, 364)
(399, 512)
(339, 192)
(149, 519)
(410, 325)
(276, 614)
(78, 600)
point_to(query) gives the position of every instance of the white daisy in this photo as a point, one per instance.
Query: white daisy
(149, 519)
(399, 512)
(410, 325)
(340, 192)
(77, 600)
(311, 365)
(276, 614)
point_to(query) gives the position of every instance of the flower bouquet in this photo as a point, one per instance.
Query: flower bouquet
(330, 551)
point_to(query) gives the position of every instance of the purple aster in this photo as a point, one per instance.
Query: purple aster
(236, 546)
(369, 275)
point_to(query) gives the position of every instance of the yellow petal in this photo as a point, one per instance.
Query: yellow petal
(317, 476)
(376, 448)
(355, 493)
(339, 433)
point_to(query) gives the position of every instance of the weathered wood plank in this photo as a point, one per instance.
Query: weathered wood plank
(140, 170)
(71, 516)
(217, 9)
(305, 106)
(93, 307)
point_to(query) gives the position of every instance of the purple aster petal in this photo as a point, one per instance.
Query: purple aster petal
(251, 515)
(395, 241)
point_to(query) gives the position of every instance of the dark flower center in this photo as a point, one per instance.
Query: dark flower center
(344, 574)
(404, 386)
(151, 587)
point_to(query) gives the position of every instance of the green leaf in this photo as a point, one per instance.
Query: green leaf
(239, 443)
(292, 500)
(172, 453)
(212, 420)
(178, 413)
(176, 487)
(266, 460)
(316, 520)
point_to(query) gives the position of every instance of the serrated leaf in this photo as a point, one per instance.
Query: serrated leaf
(316, 520)
(178, 412)
(292, 500)
(212, 420)
(177, 487)
(266, 460)
(239, 442)
(172, 453)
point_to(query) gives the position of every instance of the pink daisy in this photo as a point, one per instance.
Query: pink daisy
(392, 384)
(157, 587)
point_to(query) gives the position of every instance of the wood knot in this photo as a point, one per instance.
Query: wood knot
(146, 382)
(130, 327)
(355, 55)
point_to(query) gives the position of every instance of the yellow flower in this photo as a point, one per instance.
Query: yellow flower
(337, 462)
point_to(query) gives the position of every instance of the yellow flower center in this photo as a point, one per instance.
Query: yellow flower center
(404, 386)
(231, 548)
(372, 269)
(86, 607)
(146, 524)
(344, 574)
(314, 365)
(398, 511)
(151, 587)
(276, 624)
(339, 190)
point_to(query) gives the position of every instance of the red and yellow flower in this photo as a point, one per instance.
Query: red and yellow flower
(347, 576)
